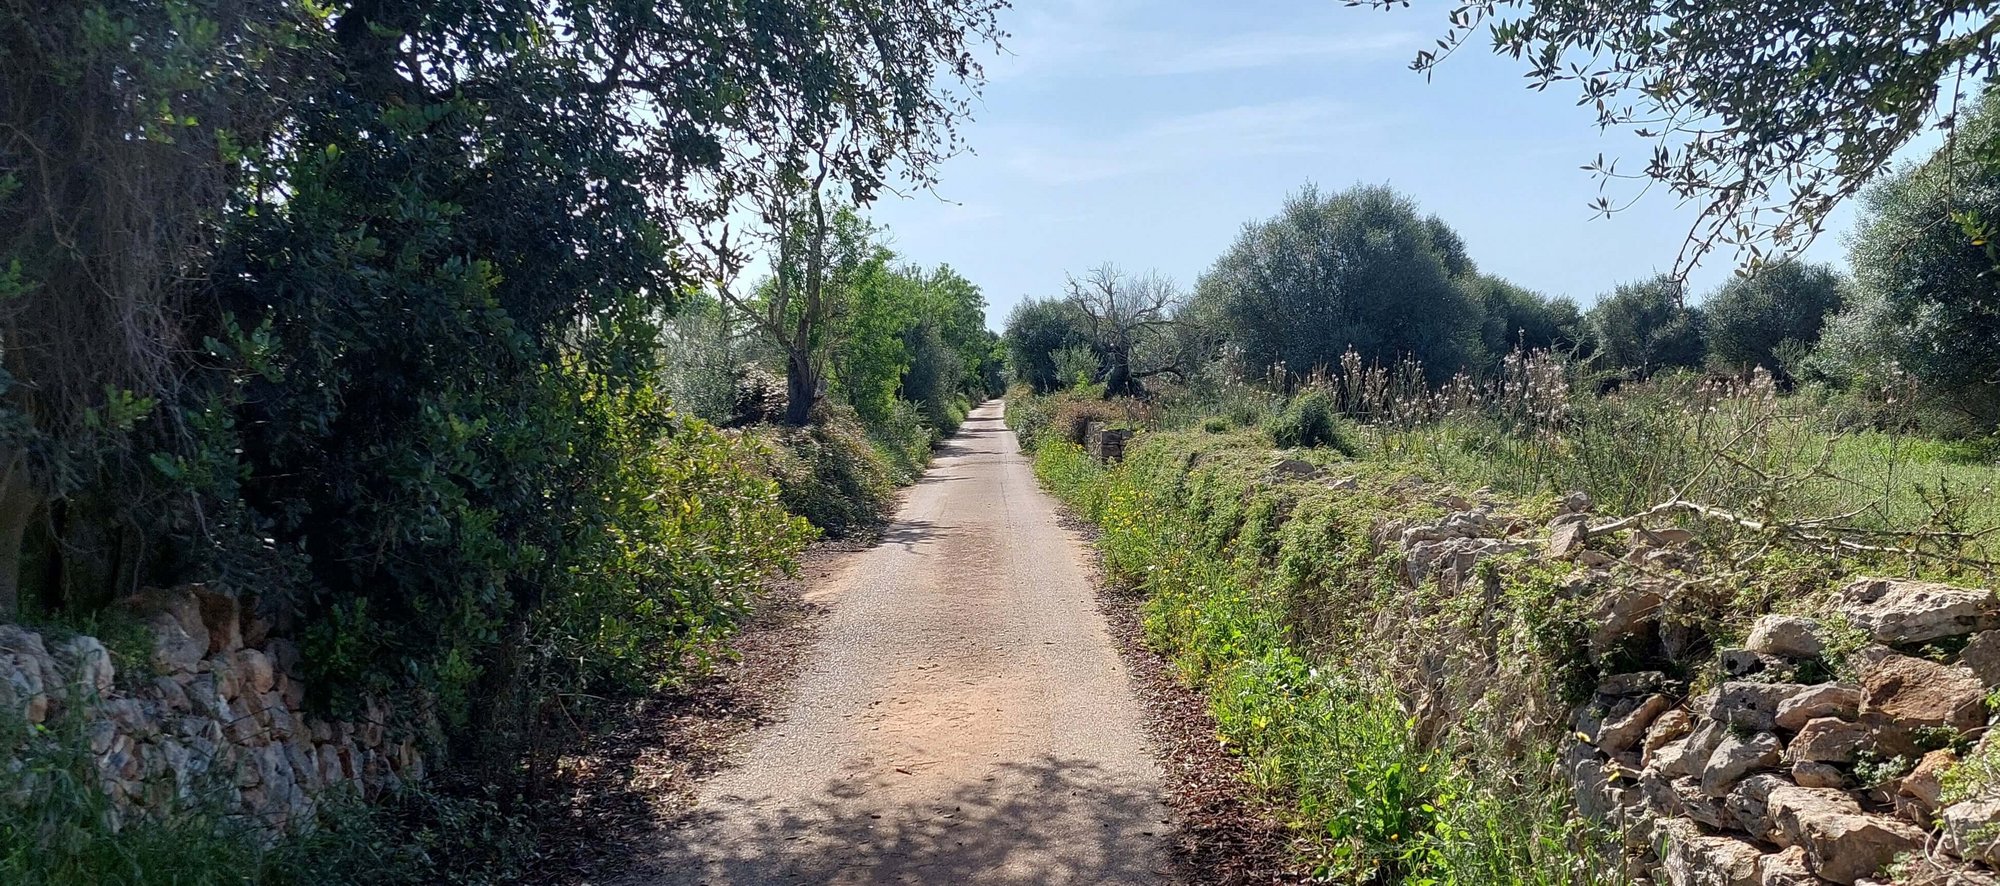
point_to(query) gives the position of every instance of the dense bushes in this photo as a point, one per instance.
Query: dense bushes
(359, 312)
(1311, 419)
(831, 473)
(1067, 416)
(1038, 330)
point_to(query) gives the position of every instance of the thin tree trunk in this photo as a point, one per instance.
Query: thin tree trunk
(801, 389)
(17, 506)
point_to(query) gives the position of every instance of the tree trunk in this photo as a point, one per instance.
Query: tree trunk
(17, 506)
(1118, 376)
(801, 389)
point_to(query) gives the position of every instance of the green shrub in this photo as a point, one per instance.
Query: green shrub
(1772, 317)
(1028, 415)
(1228, 564)
(830, 473)
(1645, 327)
(905, 440)
(1311, 421)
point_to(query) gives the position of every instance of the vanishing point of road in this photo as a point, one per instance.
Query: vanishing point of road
(963, 717)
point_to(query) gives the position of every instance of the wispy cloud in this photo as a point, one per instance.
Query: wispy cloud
(1272, 49)
(1116, 37)
(1185, 141)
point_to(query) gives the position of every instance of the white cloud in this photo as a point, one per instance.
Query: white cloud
(1273, 49)
(1117, 37)
(1193, 140)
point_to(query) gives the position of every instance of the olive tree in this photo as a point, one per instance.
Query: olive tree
(1771, 317)
(1765, 115)
(1128, 320)
(1645, 327)
(1925, 299)
(1356, 269)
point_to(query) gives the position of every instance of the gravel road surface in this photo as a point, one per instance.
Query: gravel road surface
(963, 719)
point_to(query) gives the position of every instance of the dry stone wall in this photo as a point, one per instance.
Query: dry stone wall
(217, 714)
(1764, 779)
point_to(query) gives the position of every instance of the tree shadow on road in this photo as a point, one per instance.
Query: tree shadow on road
(1048, 820)
(910, 534)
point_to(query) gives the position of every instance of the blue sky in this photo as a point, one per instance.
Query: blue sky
(1147, 134)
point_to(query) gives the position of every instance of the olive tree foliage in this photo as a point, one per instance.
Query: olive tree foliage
(1765, 115)
(1516, 318)
(883, 98)
(1771, 317)
(1926, 288)
(1356, 269)
(1646, 327)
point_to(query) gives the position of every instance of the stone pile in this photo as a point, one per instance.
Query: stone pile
(1763, 781)
(1447, 551)
(219, 715)
(1769, 778)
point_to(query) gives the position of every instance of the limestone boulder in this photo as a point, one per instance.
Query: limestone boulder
(1896, 611)
(1683, 797)
(222, 616)
(1828, 740)
(1689, 756)
(1568, 536)
(1814, 774)
(1981, 656)
(1972, 830)
(1823, 700)
(1746, 705)
(1621, 733)
(1747, 807)
(1742, 663)
(1841, 842)
(1735, 757)
(1915, 693)
(1918, 793)
(1623, 612)
(1787, 636)
(180, 638)
(1668, 727)
(89, 664)
(1691, 857)
(1786, 868)
(256, 671)
(1292, 468)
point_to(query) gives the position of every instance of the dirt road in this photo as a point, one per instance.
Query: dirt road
(963, 719)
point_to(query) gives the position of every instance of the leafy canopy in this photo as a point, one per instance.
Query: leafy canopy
(1763, 114)
(1356, 269)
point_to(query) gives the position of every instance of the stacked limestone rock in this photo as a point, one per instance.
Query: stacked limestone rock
(1447, 551)
(220, 716)
(1756, 781)
(1759, 781)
